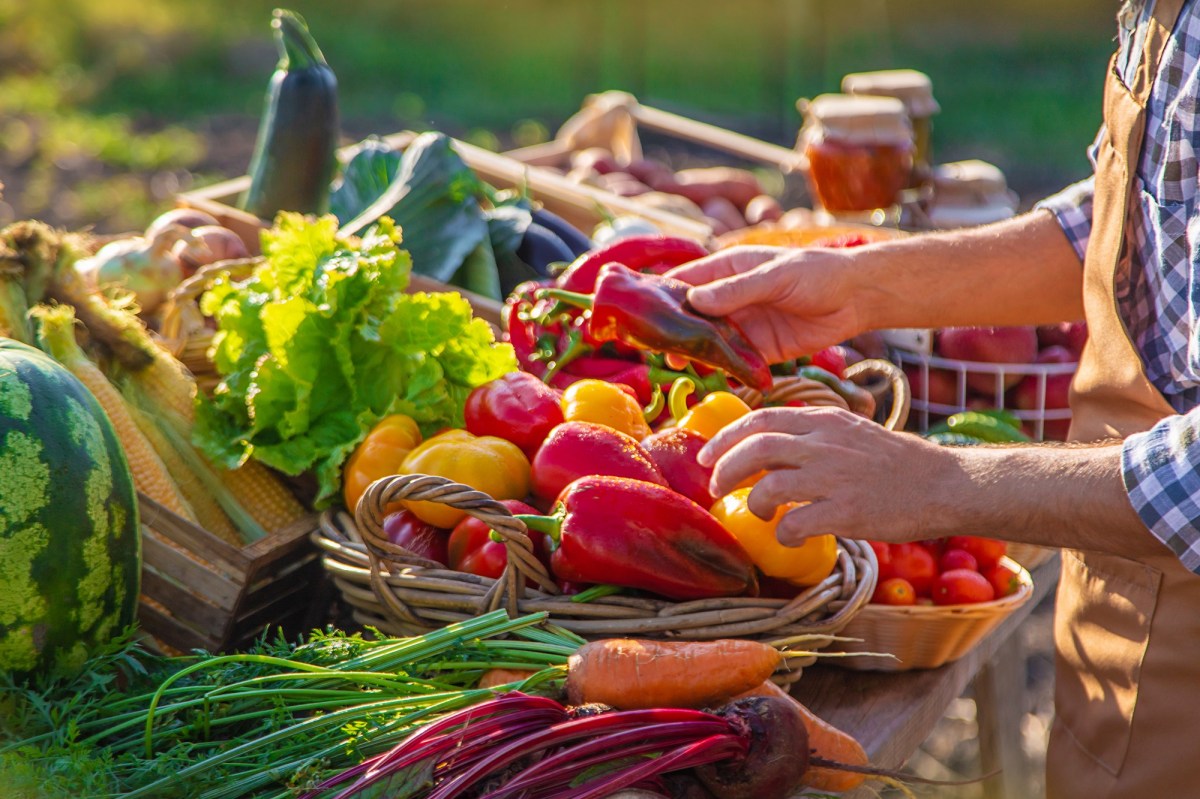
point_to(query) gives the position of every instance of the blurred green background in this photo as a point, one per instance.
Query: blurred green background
(107, 109)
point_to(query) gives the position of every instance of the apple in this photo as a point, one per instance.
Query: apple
(1071, 335)
(1025, 395)
(1015, 345)
(943, 386)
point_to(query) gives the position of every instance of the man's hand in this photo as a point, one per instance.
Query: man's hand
(790, 302)
(859, 480)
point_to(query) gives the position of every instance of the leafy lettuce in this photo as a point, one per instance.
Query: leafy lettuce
(321, 342)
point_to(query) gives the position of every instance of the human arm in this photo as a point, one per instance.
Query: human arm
(864, 481)
(794, 302)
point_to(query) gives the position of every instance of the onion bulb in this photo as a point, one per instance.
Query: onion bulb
(144, 266)
(209, 243)
(186, 217)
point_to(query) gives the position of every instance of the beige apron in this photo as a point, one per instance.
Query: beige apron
(1127, 632)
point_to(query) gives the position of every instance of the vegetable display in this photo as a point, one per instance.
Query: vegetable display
(294, 153)
(321, 342)
(69, 536)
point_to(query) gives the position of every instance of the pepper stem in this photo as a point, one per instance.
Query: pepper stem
(658, 401)
(576, 299)
(551, 525)
(681, 389)
(576, 348)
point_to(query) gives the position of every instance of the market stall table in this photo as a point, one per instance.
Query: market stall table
(892, 713)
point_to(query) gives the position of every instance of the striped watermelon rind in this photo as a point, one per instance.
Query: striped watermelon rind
(70, 548)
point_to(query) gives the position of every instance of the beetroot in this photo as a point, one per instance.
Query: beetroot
(774, 765)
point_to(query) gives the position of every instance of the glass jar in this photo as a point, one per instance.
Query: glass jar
(915, 90)
(859, 152)
(968, 193)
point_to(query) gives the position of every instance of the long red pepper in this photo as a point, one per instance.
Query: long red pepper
(635, 534)
(651, 312)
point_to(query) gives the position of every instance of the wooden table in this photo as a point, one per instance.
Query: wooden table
(892, 713)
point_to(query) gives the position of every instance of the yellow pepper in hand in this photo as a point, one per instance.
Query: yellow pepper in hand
(489, 464)
(601, 402)
(379, 455)
(805, 565)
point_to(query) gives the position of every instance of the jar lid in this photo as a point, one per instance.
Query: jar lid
(957, 216)
(911, 87)
(971, 182)
(859, 119)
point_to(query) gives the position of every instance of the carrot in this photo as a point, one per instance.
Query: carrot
(825, 741)
(631, 674)
(493, 677)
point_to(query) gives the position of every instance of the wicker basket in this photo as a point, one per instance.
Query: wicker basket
(400, 593)
(924, 636)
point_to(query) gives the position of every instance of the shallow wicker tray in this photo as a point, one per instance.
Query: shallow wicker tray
(400, 593)
(924, 636)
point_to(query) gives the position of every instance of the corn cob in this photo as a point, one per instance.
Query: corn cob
(264, 494)
(56, 335)
(209, 514)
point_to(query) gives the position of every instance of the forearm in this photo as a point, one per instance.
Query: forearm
(1017, 272)
(1053, 495)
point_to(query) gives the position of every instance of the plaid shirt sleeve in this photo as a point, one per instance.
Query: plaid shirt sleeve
(1072, 207)
(1161, 468)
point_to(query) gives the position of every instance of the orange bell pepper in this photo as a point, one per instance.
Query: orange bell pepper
(489, 464)
(804, 565)
(601, 402)
(379, 455)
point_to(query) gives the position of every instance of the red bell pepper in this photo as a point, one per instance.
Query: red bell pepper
(578, 449)
(404, 529)
(516, 407)
(651, 312)
(655, 253)
(674, 452)
(473, 550)
(532, 341)
(641, 535)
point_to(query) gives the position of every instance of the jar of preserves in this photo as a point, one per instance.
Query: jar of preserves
(859, 152)
(968, 193)
(915, 90)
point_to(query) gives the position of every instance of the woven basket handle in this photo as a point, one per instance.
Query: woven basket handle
(901, 393)
(522, 563)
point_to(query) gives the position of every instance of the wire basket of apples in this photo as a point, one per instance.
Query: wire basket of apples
(934, 600)
(1024, 370)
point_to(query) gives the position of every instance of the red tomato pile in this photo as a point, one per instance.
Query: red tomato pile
(959, 570)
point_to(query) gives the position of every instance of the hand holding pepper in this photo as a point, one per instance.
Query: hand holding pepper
(789, 302)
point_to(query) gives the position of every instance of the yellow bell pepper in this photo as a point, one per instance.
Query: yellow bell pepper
(714, 412)
(804, 565)
(489, 464)
(605, 403)
(379, 455)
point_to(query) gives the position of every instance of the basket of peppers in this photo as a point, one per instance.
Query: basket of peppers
(574, 487)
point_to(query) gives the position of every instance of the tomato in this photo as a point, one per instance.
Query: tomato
(957, 559)
(987, 551)
(832, 360)
(883, 554)
(914, 563)
(962, 587)
(404, 529)
(472, 550)
(1005, 579)
(894, 591)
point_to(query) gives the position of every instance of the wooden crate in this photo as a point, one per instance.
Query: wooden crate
(199, 591)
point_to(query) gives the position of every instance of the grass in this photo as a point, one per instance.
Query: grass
(95, 93)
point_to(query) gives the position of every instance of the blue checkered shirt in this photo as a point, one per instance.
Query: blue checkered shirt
(1160, 298)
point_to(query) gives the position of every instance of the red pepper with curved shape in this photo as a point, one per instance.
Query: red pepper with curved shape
(641, 535)
(652, 252)
(674, 451)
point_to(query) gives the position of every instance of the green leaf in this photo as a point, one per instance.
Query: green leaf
(479, 273)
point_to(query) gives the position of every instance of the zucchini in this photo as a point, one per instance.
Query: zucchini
(295, 153)
(986, 427)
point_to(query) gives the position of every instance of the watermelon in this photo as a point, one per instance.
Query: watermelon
(70, 548)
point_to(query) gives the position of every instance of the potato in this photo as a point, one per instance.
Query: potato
(763, 208)
(623, 184)
(723, 209)
(596, 158)
(739, 186)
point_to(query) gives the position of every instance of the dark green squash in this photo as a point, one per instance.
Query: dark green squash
(295, 153)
